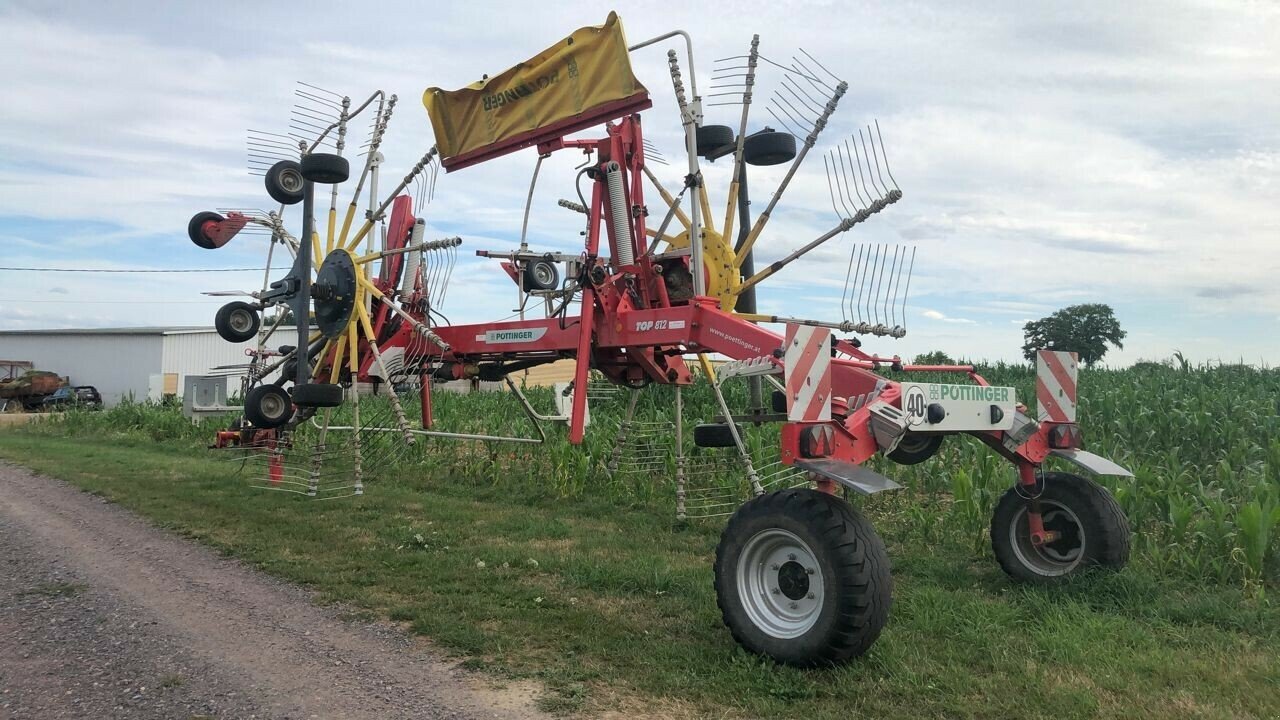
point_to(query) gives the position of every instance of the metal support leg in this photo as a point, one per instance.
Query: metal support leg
(680, 494)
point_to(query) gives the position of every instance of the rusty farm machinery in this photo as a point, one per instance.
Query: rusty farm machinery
(650, 298)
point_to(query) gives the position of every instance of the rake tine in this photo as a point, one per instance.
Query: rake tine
(893, 274)
(830, 187)
(865, 185)
(867, 159)
(782, 122)
(844, 193)
(796, 95)
(905, 293)
(886, 158)
(850, 177)
(846, 306)
(798, 87)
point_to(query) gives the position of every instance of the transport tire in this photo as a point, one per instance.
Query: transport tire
(195, 228)
(714, 435)
(541, 275)
(325, 168)
(713, 137)
(769, 148)
(237, 322)
(1094, 530)
(284, 182)
(802, 578)
(317, 395)
(915, 448)
(268, 406)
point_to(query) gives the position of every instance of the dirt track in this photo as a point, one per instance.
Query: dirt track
(105, 616)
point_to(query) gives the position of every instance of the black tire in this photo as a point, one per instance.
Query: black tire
(317, 395)
(778, 401)
(541, 275)
(325, 168)
(714, 435)
(284, 182)
(769, 148)
(268, 406)
(839, 560)
(915, 448)
(1095, 531)
(713, 137)
(195, 228)
(237, 322)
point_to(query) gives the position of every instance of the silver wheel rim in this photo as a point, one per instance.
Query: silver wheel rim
(1050, 559)
(241, 321)
(543, 273)
(290, 181)
(780, 583)
(272, 405)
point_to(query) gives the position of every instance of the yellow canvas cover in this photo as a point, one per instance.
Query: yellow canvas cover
(553, 93)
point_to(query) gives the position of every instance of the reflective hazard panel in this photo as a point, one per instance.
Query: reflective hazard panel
(1056, 385)
(807, 371)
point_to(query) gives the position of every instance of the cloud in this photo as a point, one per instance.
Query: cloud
(935, 315)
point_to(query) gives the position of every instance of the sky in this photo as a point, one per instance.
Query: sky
(1049, 155)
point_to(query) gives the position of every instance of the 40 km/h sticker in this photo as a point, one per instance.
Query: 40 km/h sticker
(943, 407)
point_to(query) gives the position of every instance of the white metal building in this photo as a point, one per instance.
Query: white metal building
(145, 362)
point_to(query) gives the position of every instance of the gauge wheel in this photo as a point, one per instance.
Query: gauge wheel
(802, 578)
(713, 137)
(769, 148)
(325, 168)
(284, 182)
(541, 275)
(196, 228)
(1092, 530)
(268, 406)
(237, 322)
(317, 395)
(915, 448)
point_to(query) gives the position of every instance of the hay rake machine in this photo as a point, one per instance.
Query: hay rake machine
(800, 575)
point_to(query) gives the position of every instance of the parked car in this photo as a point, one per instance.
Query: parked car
(79, 396)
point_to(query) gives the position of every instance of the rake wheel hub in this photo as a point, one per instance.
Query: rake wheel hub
(334, 292)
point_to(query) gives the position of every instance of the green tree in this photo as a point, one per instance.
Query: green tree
(937, 357)
(1083, 329)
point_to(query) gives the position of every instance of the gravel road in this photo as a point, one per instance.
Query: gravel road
(105, 616)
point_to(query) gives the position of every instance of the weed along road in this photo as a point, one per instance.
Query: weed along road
(105, 616)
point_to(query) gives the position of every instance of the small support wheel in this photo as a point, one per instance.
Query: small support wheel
(1090, 530)
(317, 395)
(196, 228)
(325, 168)
(237, 322)
(710, 138)
(268, 406)
(769, 147)
(541, 275)
(803, 578)
(915, 448)
(284, 182)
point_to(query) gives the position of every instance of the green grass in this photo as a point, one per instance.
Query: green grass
(532, 564)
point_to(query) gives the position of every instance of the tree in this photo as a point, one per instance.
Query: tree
(1083, 329)
(937, 357)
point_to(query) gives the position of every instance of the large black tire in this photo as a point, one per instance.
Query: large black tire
(541, 275)
(237, 322)
(710, 138)
(325, 168)
(268, 406)
(915, 448)
(769, 148)
(1095, 531)
(195, 228)
(803, 578)
(284, 182)
(315, 394)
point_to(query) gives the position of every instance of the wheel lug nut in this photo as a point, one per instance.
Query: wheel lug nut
(791, 556)
(795, 606)
(811, 596)
(775, 566)
(776, 591)
(808, 571)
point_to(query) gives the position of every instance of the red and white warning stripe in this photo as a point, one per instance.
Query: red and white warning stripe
(1056, 385)
(808, 373)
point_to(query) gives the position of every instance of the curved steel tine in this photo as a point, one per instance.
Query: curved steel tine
(876, 157)
(820, 65)
(910, 269)
(807, 101)
(893, 275)
(861, 174)
(886, 161)
(841, 191)
(865, 152)
(782, 122)
(870, 270)
(780, 101)
(831, 190)
(863, 204)
(863, 249)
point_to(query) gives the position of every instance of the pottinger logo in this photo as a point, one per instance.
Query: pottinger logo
(522, 335)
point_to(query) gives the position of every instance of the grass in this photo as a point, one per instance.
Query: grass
(532, 563)
(53, 589)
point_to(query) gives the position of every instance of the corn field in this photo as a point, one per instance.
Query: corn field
(1203, 444)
